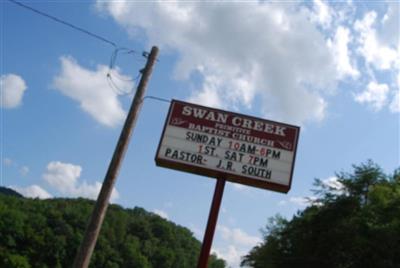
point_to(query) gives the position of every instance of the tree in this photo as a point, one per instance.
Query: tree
(47, 233)
(355, 225)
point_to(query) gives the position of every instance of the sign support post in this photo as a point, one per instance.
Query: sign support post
(82, 259)
(227, 146)
(212, 222)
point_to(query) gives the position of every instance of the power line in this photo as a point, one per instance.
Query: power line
(156, 98)
(114, 55)
(111, 74)
(98, 37)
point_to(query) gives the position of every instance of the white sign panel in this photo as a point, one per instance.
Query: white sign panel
(221, 144)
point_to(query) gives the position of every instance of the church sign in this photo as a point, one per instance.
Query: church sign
(226, 145)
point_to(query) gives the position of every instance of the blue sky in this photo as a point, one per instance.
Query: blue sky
(331, 67)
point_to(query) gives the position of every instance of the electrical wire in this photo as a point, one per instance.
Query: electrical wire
(117, 89)
(114, 74)
(80, 29)
(114, 55)
(156, 98)
(113, 60)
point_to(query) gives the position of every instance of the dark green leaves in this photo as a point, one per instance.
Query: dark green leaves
(356, 227)
(47, 233)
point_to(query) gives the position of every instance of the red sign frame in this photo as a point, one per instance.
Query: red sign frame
(275, 136)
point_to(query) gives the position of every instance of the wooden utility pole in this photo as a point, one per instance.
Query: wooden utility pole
(86, 248)
(212, 222)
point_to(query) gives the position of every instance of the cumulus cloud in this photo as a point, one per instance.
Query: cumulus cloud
(197, 231)
(395, 104)
(341, 53)
(333, 183)
(390, 29)
(375, 95)
(238, 241)
(12, 88)
(64, 178)
(92, 91)
(230, 254)
(322, 13)
(239, 187)
(161, 213)
(242, 52)
(380, 54)
(270, 55)
(237, 236)
(33, 191)
(299, 201)
(378, 38)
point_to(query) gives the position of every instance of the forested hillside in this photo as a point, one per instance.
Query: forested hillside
(47, 233)
(354, 223)
(8, 191)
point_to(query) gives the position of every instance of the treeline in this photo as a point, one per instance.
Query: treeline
(352, 224)
(47, 233)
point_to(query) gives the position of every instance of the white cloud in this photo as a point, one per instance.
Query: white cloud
(341, 53)
(299, 201)
(209, 94)
(282, 203)
(64, 177)
(379, 45)
(237, 236)
(322, 13)
(390, 30)
(12, 88)
(379, 54)
(375, 95)
(230, 254)
(333, 183)
(239, 187)
(92, 90)
(33, 191)
(395, 104)
(243, 52)
(161, 213)
(238, 244)
(197, 232)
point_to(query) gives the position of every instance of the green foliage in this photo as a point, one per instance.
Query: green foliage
(353, 227)
(47, 233)
(8, 191)
(214, 262)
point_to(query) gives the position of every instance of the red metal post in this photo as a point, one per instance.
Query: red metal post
(212, 222)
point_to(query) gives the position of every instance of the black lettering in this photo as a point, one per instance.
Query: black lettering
(276, 154)
(168, 152)
(257, 172)
(233, 156)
